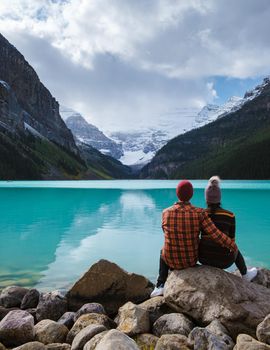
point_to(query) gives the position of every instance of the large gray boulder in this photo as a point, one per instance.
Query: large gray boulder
(48, 331)
(114, 339)
(263, 330)
(156, 307)
(106, 283)
(85, 335)
(17, 328)
(217, 329)
(202, 339)
(88, 309)
(67, 319)
(174, 323)
(133, 319)
(172, 342)
(87, 320)
(92, 343)
(12, 296)
(30, 299)
(51, 306)
(207, 293)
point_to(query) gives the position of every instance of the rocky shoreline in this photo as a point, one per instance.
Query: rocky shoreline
(108, 309)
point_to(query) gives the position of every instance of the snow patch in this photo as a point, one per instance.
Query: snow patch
(33, 131)
(210, 112)
(136, 157)
(250, 95)
(2, 82)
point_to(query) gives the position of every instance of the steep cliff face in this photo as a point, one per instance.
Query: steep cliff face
(11, 114)
(236, 146)
(35, 143)
(41, 110)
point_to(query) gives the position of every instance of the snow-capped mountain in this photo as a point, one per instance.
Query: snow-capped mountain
(210, 112)
(140, 146)
(90, 134)
(250, 95)
(137, 147)
(242, 139)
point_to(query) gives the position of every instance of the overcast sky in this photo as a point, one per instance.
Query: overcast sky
(125, 64)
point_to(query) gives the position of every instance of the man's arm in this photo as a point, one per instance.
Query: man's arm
(215, 234)
(165, 218)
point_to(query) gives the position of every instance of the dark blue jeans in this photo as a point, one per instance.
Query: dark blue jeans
(163, 271)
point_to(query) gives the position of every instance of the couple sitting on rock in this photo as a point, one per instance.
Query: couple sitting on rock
(193, 234)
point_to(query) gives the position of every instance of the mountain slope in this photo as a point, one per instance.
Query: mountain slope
(27, 154)
(41, 110)
(103, 166)
(35, 143)
(210, 112)
(234, 146)
(90, 134)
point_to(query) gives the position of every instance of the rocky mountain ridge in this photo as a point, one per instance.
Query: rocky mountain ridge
(89, 134)
(226, 146)
(210, 112)
(40, 110)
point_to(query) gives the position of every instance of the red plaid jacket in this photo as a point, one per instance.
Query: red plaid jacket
(182, 224)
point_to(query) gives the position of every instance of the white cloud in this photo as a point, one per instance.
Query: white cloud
(85, 28)
(117, 60)
(179, 38)
(211, 89)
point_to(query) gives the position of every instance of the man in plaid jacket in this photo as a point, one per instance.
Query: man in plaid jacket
(182, 224)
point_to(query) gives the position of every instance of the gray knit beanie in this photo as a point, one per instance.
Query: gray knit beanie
(212, 191)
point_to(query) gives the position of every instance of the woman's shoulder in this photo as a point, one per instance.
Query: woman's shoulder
(222, 211)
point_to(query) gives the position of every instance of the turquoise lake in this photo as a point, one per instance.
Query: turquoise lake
(53, 231)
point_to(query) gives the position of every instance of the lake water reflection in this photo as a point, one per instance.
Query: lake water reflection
(51, 235)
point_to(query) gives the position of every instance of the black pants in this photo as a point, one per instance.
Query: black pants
(164, 268)
(240, 263)
(163, 271)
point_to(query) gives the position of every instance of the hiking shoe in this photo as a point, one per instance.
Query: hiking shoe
(157, 291)
(251, 273)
